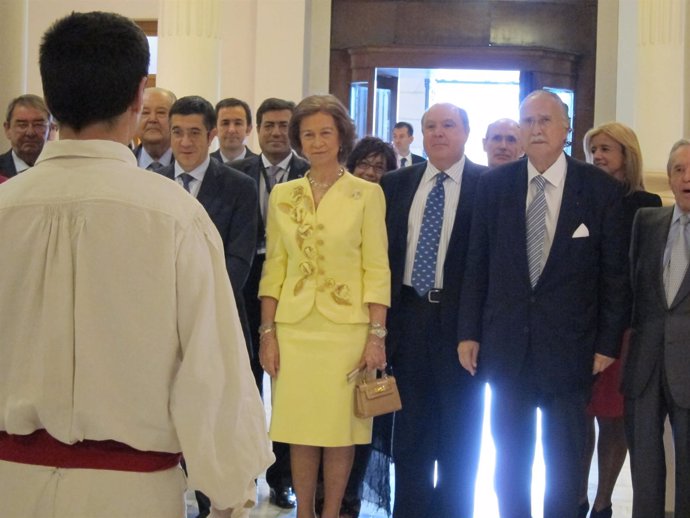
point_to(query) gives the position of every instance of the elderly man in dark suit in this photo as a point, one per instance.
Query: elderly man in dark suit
(277, 163)
(27, 126)
(545, 293)
(429, 207)
(656, 382)
(154, 151)
(228, 196)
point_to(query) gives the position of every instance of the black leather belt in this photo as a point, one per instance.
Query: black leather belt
(433, 296)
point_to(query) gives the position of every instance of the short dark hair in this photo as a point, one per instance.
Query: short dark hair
(30, 100)
(91, 66)
(273, 104)
(231, 102)
(330, 105)
(410, 129)
(368, 146)
(195, 105)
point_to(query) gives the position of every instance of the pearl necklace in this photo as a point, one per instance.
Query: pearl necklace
(323, 185)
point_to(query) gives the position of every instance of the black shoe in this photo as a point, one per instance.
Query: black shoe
(283, 497)
(606, 512)
(582, 510)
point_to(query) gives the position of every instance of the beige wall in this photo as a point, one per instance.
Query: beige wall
(265, 48)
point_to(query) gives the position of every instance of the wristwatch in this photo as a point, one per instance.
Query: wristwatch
(378, 330)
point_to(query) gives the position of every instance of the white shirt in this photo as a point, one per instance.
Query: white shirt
(408, 159)
(280, 178)
(118, 319)
(451, 189)
(197, 173)
(227, 160)
(553, 192)
(145, 159)
(19, 164)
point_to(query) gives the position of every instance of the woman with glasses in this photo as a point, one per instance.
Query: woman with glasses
(371, 158)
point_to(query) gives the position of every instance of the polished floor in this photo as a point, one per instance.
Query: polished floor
(486, 505)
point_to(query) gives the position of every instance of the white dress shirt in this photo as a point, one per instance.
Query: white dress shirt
(451, 189)
(553, 192)
(197, 173)
(145, 159)
(118, 319)
(19, 164)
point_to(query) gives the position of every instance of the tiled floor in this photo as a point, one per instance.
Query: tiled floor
(486, 505)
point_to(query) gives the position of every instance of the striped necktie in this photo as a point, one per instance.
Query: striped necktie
(536, 230)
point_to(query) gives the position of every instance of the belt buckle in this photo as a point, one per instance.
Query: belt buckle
(434, 296)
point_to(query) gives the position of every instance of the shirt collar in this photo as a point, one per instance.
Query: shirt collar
(226, 160)
(19, 164)
(676, 214)
(145, 160)
(555, 174)
(454, 171)
(197, 173)
(283, 164)
(91, 148)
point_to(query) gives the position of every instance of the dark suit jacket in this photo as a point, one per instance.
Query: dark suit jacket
(230, 199)
(216, 155)
(416, 159)
(580, 303)
(7, 168)
(252, 166)
(400, 187)
(659, 332)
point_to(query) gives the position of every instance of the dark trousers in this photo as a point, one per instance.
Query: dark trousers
(513, 426)
(644, 427)
(440, 420)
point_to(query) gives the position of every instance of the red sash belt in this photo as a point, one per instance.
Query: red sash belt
(41, 449)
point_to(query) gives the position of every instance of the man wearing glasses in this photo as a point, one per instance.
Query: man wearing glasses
(26, 126)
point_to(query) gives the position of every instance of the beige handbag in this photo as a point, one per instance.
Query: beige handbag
(376, 397)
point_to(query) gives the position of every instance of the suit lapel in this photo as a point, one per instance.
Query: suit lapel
(512, 213)
(210, 187)
(460, 232)
(684, 288)
(569, 218)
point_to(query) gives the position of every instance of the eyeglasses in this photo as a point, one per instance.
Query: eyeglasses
(364, 165)
(37, 126)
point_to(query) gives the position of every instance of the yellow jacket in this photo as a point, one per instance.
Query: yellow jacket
(334, 257)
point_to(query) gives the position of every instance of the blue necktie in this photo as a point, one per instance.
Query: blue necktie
(424, 268)
(536, 229)
(186, 180)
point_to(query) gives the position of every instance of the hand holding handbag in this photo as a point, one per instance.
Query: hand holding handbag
(376, 397)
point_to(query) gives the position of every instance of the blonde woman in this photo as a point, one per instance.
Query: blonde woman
(614, 148)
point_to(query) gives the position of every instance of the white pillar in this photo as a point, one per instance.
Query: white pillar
(652, 80)
(14, 31)
(188, 47)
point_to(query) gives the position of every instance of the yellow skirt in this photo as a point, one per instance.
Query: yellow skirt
(313, 403)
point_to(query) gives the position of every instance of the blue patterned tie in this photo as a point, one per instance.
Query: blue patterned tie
(536, 229)
(186, 180)
(424, 268)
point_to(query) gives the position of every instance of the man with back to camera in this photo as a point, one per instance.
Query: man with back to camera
(118, 317)
(545, 293)
(403, 136)
(27, 126)
(428, 215)
(276, 164)
(154, 151)
(655, 381)
(234, 124)
(502, 142)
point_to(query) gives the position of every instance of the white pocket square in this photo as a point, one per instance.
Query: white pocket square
(581, 231)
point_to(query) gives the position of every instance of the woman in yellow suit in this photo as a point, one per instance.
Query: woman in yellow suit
(324, 293)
